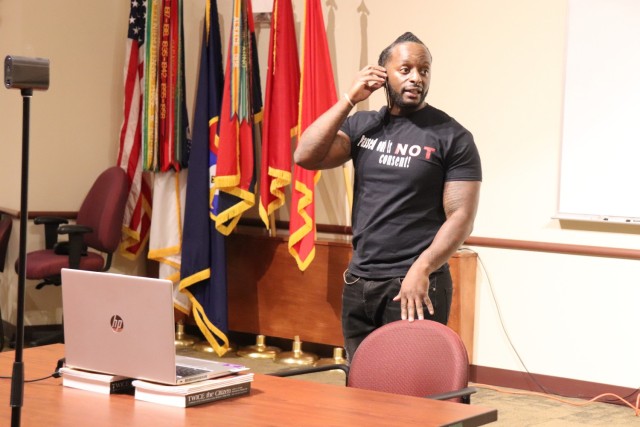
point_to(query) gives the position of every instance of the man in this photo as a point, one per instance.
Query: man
(416, 191)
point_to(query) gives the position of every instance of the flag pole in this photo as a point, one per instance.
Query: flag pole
(346, 173)
(272, 225)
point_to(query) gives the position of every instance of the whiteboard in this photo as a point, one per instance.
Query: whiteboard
(600, 159)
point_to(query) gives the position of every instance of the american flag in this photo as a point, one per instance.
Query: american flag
(137, 19)
(137, 216)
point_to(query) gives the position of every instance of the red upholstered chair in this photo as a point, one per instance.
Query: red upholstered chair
(92, 240)
(5, 232)
(421, 358)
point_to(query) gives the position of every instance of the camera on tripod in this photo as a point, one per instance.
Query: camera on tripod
(26, 73)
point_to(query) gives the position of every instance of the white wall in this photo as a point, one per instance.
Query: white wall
(74, 125)
(498, 69)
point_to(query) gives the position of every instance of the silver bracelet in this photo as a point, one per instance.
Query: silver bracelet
(349, 100)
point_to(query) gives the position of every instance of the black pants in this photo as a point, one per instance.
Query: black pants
(368, 304)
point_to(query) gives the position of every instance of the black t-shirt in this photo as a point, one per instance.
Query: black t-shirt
(401, 164)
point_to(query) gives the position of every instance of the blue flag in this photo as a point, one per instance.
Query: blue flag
(203, 267)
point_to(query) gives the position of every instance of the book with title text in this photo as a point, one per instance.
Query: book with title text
(193, 394)
(96, 382)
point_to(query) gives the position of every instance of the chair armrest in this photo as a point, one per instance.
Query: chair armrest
(74, 229)
(51, 224)
(50, 220)
(76, 246)
(312, 369)
(464, 393)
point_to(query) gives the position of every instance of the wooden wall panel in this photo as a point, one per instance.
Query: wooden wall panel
(269, 295)
(463, 307)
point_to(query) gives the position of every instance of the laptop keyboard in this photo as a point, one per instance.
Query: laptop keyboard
(186, 371)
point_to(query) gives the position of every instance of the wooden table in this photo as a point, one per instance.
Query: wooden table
(273, 402)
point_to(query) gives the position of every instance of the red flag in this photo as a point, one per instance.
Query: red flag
(172, 125)
(281, 109)
(137, 217)
(235, 173)
(317, 95)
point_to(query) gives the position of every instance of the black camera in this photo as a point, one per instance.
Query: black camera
(26, 73)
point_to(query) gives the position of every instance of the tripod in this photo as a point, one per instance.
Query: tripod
(25, 74)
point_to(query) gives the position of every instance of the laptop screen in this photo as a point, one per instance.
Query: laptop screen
(119, 324)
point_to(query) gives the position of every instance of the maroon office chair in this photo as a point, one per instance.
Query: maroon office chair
(92, 240)
(98, 227)
(421, 358)
(5, 232)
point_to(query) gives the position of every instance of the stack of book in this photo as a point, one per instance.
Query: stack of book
(195, 393)
(98, 383)
(183, 396)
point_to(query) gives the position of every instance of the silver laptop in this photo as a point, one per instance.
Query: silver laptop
(123, 325)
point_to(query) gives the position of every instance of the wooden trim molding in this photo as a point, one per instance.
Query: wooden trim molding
(34, 214)
(526, 245)
(548, 384)
(284, 225)
(10, 212)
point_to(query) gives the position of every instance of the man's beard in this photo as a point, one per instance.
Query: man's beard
(395, 99)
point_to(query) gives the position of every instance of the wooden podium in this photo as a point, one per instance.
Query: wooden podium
(269, 295)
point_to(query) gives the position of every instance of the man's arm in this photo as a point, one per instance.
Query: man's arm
(460, 200)
(323, 145)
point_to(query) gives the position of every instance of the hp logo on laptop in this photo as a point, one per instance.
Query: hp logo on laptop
(117, 323)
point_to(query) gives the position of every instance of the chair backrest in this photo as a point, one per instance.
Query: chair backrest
(418, 358)
(5, 232)
(103, 209)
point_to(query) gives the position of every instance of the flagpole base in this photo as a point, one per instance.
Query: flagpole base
(296, 357)
(205, 347)
(260, 350)
(182, 340)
